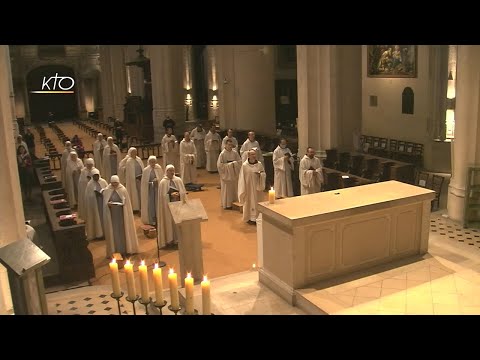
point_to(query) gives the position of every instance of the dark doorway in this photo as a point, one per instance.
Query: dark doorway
(200, 81)
(62, 105)
(286, 106)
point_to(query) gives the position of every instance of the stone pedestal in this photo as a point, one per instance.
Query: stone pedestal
(187, 216)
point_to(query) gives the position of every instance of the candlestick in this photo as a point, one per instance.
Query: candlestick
(157, 276)
(189, 308)
(117, 297)
(142, 269)
(160, 306)
(115, 278)
(132, 301)
(205, 296)
(145, 303)
(172, 280)
(174, 310)
(271, 196)
(132, 293)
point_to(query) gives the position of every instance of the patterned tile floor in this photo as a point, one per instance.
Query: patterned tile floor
(237, 294)
(444, 281)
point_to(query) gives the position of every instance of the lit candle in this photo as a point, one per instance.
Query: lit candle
(271, 196)
(172, 281)
(142, 269)
(157, 276)
(132, 293)
(115, 278)
(206, 296)
(189, 308)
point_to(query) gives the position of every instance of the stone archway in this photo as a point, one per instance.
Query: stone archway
(62, 105)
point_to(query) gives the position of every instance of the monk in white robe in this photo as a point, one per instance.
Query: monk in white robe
(283, 167)
(169, 148)
(111, 159)
(130, 172)
(118, 221)
(85, 177)
(63, 161)
(94, 206)
(20, 142)
(98, 149)
(250, 144)
(151, 177)
(229, 164)
(310, 173)
(198, 136)
(72, 175)
(188, 160)
(212, 148)
(170, 189)
(230, 136)
(251, 184)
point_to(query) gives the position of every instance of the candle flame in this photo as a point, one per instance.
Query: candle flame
(156, 266)
(271, 188)
(205, 278)
(114, 261)
(189, 275)
(254, 266)
(143, 263)
(128, 262)
(171, 271)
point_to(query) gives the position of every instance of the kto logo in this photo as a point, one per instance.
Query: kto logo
(56, 85)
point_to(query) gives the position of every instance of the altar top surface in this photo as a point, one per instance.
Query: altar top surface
(190, 210)
(348, 200)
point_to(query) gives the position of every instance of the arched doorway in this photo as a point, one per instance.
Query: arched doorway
(62, 105)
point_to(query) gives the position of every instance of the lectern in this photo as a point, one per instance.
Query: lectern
(187, 217)
(23, 261)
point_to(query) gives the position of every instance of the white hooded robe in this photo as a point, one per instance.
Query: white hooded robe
(229, 164)
(282, 182)
(94, 219)
(188, 162)
(310, 180)
(146, 199)
(251, 183)
(212, 149)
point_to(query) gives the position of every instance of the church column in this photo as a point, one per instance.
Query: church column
(329, 95)
(246, 81)
(135, 81)
(106, 82)
(12, 218)
(81, 98)
(167, 87)
(119, 79)
(188, 84)
(213, 103)
(466, 145)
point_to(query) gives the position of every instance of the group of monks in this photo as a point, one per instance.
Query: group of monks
(107, 207)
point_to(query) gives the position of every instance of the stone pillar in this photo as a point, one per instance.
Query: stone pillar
(187, 82)
(466, 145)
(81, 98)
(246, 80)
(12, 218)
(167, 87)
(213, 103)
(135, 78)
(106, 82)
(119, 79)
(329, 79)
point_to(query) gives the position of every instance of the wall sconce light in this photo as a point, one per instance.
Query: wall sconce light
(188, 100)
(214, 103)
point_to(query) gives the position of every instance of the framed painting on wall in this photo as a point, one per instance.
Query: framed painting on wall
(390, 61)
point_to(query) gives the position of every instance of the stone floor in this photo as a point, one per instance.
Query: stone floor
(237, 294)
(444, 281)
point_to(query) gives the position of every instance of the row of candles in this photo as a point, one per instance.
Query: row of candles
(157, 276)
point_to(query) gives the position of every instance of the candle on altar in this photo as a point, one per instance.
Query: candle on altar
(206, 296)
(115, 278)
(271, 195)
(189, 308)
(157, 276)
(172, 281)
(132, 293)
(142, 269)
